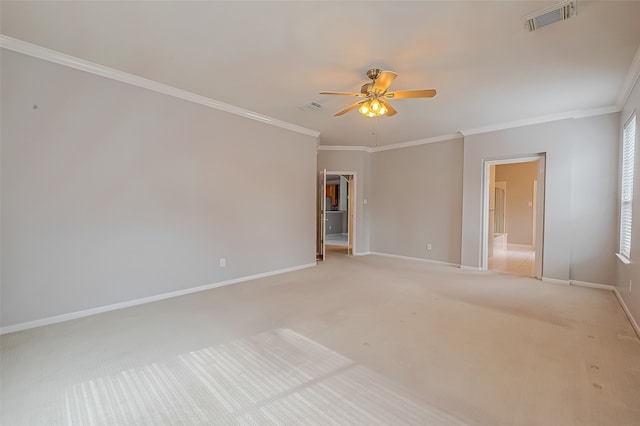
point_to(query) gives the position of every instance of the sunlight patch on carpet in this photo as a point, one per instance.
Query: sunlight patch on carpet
(276, 377)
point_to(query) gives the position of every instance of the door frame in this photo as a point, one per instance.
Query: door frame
(540, 159)
(352, 218)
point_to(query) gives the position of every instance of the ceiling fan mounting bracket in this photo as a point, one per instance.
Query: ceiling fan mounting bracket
(373, 73)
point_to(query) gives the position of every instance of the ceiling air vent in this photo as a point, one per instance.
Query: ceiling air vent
(311, 106)
(549, 15)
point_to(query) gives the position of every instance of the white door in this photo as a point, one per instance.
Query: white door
(539, 215)
(322, 194)
(492, 210)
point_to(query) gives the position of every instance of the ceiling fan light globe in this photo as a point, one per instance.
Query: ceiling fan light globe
(364, 109)
(375, 105)
(382, 111)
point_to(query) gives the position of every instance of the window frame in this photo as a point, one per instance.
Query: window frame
(629, 140)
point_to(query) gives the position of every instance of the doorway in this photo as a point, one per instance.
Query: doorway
(336, 212)
(513, 215)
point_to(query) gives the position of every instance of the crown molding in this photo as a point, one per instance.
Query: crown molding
(390, 147)
(418, 142)
(54, 56)
(611, 109)
(629, 83)
(543, 119)
(344, 148)
(492, 128)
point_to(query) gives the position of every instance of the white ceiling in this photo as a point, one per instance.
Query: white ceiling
(272, 57)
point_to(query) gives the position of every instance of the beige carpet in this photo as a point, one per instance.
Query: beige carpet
(355, 340)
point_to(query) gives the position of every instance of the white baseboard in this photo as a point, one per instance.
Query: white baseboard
(93, 311)
(592, 285)
(364, 253)
(555, 281)
(471, 268)
(626, 310)
(396, 256)
(612, 288)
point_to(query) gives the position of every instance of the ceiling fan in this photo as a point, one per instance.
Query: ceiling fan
(375, 95)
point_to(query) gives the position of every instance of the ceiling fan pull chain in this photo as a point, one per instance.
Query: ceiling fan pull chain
(374, 130)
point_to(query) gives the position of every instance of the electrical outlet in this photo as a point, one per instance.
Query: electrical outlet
(223, 262)
(429, 246)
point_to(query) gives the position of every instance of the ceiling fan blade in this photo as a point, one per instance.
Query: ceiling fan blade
(349, 108)
(360, 95)
(390, 110)
(383, 81)
(404, 94)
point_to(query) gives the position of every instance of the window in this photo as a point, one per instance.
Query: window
(626, 196)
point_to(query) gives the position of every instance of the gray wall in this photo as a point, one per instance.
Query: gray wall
(417, 199)
(359, 162)
(580, 212)
(628, 276)
(594, 212)
(518, 214)
(111, 193)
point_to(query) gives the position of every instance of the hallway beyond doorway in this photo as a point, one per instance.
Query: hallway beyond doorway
(337, 239)
(518, 185)
(514, 259)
